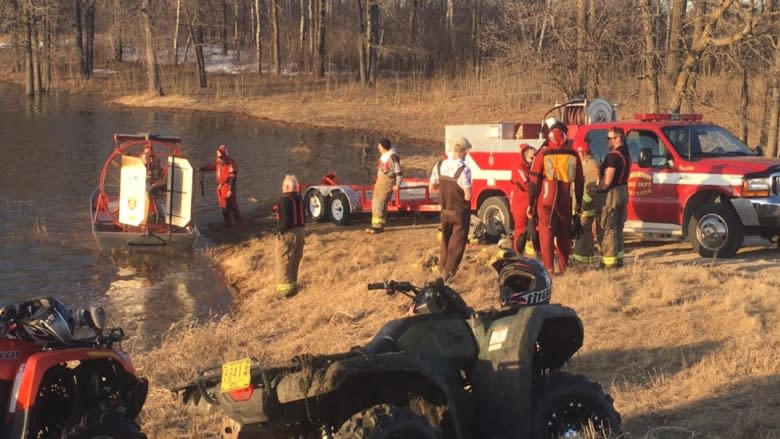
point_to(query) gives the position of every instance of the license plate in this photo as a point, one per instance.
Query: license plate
(235, 375)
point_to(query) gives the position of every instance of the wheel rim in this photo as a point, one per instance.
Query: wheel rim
(574, 419)
(494, 221)
(337, 209)
(712, 231)
(315, 207)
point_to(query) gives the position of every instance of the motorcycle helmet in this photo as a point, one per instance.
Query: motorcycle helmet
(46, 320)
(522, 282)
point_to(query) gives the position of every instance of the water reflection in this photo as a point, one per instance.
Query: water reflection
(153, 291)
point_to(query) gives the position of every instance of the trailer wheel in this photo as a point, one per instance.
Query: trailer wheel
(714, 229)
(316, 205)
(340, 212)
(494, 213)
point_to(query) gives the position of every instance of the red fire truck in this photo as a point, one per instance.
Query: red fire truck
(689, 179)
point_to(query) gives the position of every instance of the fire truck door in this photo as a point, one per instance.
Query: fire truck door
(652, 192)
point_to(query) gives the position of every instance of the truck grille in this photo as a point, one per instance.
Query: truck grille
(776, 185)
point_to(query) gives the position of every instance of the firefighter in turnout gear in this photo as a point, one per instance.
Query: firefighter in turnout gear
(553, 172)
(227, 172)
(519, 201)
(388, 181)
(614, 181)
(451, 178)
(592, 202)
(289, 237)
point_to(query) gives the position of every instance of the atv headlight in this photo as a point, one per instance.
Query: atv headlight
(755, 187)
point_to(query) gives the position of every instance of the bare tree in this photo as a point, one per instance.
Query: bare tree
(259, 36)
(273, 7)
(675, 40)
(154, 83)
(705, 38)
(650, 62)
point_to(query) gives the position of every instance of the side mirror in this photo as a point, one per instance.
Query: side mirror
(645, 158)
(759, 150)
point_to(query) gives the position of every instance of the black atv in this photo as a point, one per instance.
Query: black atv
(445, 371)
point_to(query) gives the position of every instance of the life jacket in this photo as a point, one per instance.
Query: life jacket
(559, 165)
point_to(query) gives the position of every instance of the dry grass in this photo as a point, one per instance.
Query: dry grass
(686, 348)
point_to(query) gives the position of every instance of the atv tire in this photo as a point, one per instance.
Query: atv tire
(104, 425)
(387, 421)
(572, 406)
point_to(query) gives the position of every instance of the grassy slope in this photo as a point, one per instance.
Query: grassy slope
(687, 348)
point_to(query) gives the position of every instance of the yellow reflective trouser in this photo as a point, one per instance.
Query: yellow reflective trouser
(583, 247)
(383, 190)
(613, 217)
(289, 251)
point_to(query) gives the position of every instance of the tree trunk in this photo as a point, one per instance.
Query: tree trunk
(676, 16)
(117, 45)
(80, 37)
(476, 26)
(774, 108)
(650, 64)
(582, 38)
(277, 62)
(29, 87)
(224, 27)
(236, 34)
(38, 88)
(744, 97)
(258, 36)
(89, 43)
(362, 45)
(372, 38)
(450, 25)
(592, 89)
(176, 34)
(321, 38)
(302, 35)
(152, 69)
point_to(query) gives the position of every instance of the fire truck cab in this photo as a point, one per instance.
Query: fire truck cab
(689, 179)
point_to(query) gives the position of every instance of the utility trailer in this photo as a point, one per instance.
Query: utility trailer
(339, 203)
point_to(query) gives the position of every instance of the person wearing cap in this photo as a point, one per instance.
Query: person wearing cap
(226, 172)
(388, 181)
(553, 172)
(518, 200)
(290, 237)
(592, 202)
(451, 179)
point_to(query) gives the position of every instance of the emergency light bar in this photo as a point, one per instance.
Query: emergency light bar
(660, 117)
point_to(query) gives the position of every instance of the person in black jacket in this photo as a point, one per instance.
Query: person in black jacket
(289, 237)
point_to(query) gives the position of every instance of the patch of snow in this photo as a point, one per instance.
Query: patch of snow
(104, 71)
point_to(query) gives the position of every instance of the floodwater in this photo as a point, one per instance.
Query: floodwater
(52, 151)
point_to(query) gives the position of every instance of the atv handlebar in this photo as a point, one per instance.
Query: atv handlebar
(392, 287)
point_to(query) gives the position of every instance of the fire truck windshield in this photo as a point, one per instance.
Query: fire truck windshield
(705, 141)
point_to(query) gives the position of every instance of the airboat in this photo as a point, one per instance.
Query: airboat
(144, 195)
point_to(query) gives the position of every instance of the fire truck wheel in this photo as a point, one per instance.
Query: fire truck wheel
(340, 212)
(316, 205)
(494, 213)
(715, 230)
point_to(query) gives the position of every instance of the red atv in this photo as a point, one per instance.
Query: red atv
(61, 376)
